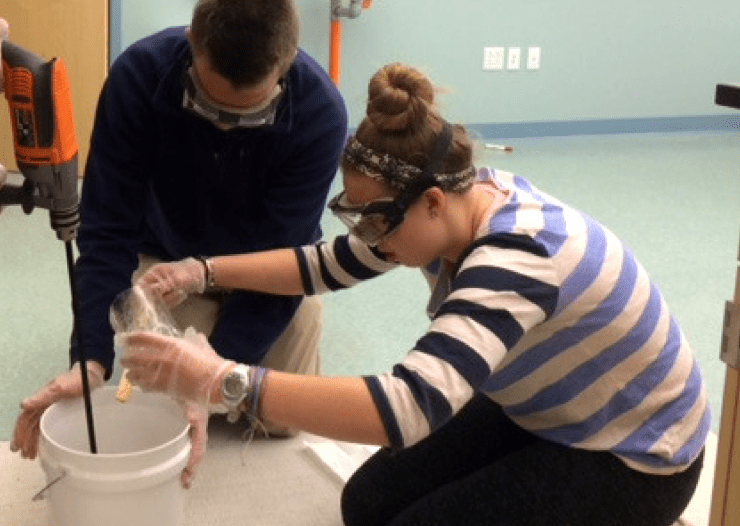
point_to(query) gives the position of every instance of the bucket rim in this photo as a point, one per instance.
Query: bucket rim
(70, 451)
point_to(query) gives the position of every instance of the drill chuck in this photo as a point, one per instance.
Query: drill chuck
(65, 223)
(54, 188)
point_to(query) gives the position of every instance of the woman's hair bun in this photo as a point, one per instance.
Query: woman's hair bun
(399, 98)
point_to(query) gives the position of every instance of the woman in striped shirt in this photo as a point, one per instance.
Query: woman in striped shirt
(553, 385)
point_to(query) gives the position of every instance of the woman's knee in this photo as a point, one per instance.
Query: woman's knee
(365, 499)
(352, 505)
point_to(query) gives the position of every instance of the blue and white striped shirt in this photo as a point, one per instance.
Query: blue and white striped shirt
(552, 317)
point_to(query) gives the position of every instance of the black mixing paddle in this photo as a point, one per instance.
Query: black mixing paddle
(82, 356)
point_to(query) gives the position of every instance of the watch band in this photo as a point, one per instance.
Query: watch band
(210, 271)
(241, 391)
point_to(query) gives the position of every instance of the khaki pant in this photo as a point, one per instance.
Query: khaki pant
(295, 351)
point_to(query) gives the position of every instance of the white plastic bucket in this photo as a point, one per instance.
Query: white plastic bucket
(134, 479)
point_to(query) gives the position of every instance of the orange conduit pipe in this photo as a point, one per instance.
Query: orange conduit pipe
(335, 31)
(334, 50)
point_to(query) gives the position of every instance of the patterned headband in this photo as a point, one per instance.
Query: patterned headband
(396, 172)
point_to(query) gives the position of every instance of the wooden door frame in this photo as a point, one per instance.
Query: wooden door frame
(725, 507)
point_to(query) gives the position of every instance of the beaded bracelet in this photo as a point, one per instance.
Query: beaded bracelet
(253, 411)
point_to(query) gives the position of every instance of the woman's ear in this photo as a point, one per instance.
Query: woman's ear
(435, 200)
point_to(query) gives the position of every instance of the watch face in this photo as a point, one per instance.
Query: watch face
(233, 384)
(234, 387)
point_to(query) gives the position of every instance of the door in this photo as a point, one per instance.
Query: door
(75, 31)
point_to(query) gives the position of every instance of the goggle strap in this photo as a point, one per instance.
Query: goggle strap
(440, 150)
(426, 179)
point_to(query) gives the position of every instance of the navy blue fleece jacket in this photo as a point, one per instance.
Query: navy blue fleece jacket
(163, 182)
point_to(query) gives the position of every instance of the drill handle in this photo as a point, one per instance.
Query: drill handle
(44, 139)
(40, 107)
(15, 194)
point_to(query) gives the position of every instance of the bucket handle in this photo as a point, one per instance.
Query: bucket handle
(41, 495)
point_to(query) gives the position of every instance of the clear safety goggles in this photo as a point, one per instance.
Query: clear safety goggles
(226, 117)
(375, 220)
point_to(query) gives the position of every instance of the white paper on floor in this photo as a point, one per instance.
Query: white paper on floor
(340, 458)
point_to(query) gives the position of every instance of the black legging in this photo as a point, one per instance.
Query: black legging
(481, 469)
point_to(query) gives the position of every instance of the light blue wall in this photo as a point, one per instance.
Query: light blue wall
(606, 65)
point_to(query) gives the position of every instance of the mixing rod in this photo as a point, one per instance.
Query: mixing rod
(81, 349)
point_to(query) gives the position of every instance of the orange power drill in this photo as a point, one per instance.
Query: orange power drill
(46, 152)
(43, 137)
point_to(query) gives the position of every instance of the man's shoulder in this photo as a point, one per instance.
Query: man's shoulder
(312, 86)
(158, 48)
(148, 61)
(309, 75)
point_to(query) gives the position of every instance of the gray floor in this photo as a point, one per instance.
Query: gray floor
(673, 199)
(268, 482)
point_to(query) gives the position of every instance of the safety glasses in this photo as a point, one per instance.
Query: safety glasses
(375, 220)
(370, 222)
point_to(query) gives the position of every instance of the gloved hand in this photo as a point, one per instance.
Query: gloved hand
(197, 415)
(66, 385)
(186, 368)
(174, 281)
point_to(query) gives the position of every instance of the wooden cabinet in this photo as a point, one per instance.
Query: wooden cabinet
(75, 31)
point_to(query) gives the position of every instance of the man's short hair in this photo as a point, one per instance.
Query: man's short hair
(244, 40)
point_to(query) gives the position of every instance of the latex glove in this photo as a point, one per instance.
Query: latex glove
(197, 415)
(174, 281)
(186, 368)
(66, 385)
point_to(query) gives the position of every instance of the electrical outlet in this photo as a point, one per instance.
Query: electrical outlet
(514, 59)
(493, 58)
(533, 58)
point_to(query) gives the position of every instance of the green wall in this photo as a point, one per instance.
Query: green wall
(633, 62)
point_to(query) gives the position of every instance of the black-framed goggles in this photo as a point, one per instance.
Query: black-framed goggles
(373, 221)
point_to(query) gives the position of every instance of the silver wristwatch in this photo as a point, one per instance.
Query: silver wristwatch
(235, 387)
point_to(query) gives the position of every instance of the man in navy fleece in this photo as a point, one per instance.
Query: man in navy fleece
(222, 137)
